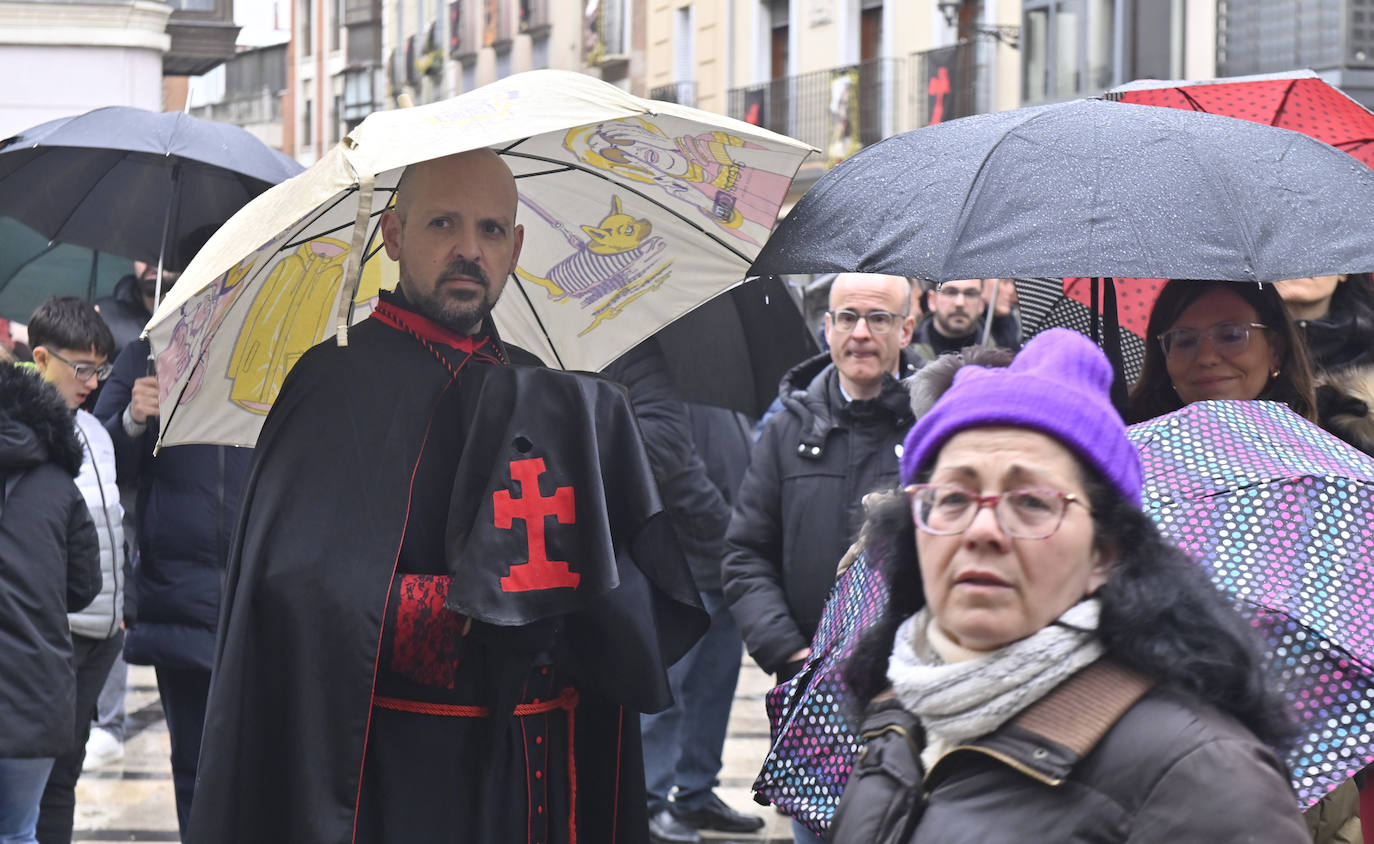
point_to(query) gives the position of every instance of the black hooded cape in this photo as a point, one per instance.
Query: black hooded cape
(320, 535)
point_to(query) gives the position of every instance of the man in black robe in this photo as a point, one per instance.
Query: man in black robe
(452, 588)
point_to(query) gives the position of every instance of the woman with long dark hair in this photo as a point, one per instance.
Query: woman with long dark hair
(1221, 340)
(1049, 667)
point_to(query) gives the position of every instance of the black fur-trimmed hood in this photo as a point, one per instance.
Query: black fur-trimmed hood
(1345, 405)
(35, 424)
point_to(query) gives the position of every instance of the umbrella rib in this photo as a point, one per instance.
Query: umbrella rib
(1283, 103)
(590, 172)
(19, 269)
(520, 285)
(346, 194)
(95, 183)
(975, 186)
(1192, 101)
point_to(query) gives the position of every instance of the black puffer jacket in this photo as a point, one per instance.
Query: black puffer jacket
(49, 566)
(188, 502)
(799, 507)
(1170, 770)
(697, 454)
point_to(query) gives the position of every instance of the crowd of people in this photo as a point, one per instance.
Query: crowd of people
(352, 643)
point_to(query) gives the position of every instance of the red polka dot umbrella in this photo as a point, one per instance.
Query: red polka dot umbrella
(1297, 100)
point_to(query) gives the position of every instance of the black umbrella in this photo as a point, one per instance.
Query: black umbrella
(733, 350)
(1087, 188)
(132, 182)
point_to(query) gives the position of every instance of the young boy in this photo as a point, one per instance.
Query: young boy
(71, 349)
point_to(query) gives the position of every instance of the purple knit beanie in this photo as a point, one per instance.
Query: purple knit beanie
(1059, 384)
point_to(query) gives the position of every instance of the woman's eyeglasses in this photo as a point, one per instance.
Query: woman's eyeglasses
(1227, 338)
(946, 510)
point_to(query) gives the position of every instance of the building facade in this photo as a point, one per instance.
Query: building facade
(1333, 37)
(348, 58)
(67, 58)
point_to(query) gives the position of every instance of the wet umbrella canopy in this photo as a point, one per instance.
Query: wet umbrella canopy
(1088, 188)
(134, 182)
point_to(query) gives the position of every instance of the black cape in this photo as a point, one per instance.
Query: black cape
(320, 534)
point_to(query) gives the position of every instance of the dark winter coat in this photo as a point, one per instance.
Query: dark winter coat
(1071, 768)
(124, 311)
(329, 521)
(188, 500)
(928, 344)
(49, 566)
(799, 506)
(698, 455)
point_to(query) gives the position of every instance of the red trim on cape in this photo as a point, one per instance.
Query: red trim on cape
(386, 602)
(403, 319)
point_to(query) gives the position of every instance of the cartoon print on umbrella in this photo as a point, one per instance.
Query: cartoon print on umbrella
(710, 170)
(618, 262)
(1277, 510)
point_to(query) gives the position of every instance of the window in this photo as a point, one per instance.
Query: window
(336, 26)
(684, 46)
(307, 8)
(358, 96)
(456, 35)
(495, 23)
(615, 20)
(308, 124)
(365, 44)
(534, 14)
(1068, 48)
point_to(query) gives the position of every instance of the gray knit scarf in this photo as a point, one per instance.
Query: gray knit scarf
(962, 701)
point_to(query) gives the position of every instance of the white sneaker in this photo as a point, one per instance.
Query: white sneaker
(102, 749)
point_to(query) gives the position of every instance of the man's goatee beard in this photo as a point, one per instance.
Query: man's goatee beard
(459, 322)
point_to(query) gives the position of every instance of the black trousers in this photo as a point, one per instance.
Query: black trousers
(92, 659)
(184, 692)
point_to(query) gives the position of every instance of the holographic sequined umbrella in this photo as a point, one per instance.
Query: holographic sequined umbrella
(1280, 513)
(813, 740)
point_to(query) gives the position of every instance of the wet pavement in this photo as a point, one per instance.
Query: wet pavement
(132, 799)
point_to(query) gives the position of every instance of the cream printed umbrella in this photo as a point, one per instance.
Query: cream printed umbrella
(635, 213)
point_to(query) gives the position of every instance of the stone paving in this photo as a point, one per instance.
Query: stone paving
(132, 800)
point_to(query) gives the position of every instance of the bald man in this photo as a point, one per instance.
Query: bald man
(844, 415)
(443, 612)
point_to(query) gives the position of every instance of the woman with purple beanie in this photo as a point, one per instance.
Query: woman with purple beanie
(1050, 668)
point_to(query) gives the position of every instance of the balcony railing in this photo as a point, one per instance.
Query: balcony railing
(682, 93)
(836, 110)
(264, 107)
(953, 81)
